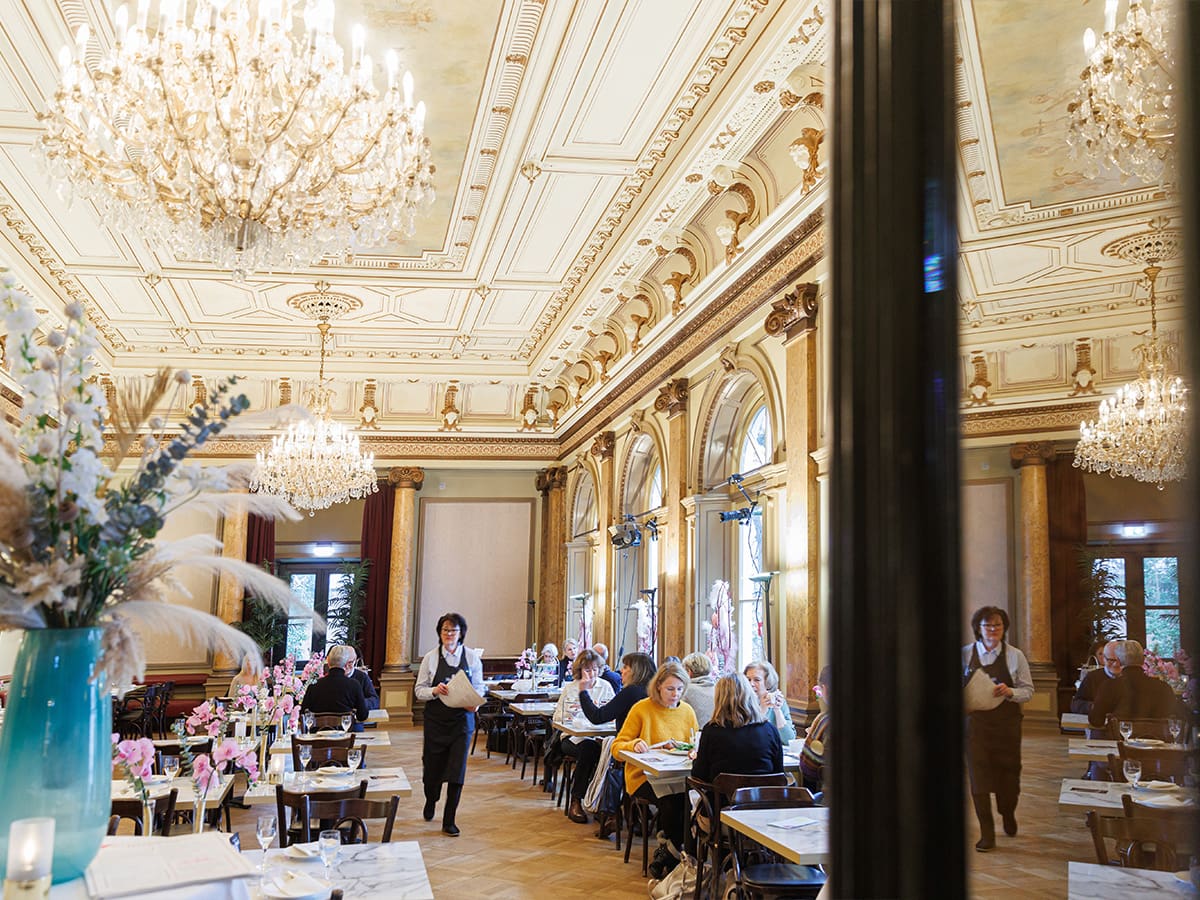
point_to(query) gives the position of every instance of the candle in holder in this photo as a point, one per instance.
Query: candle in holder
(239, 728)
(30, 855)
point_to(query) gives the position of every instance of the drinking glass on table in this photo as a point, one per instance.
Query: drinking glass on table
(305, 755)
(170, 766)
(1133, 771)
(1175, 726)
(347, 721)
(265, 830)
(308, 719)
(354, 758)
(330, 843)
(1126, 730)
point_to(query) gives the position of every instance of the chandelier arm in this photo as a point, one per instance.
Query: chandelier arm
(325, 138)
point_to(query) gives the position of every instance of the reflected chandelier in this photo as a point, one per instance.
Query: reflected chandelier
(1123, 113)
(1142, 432)
(236, 134)
(316, 464)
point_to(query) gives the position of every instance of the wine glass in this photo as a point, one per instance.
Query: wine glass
(1175, 726)
(305, 755)
(170, 767)
(1133, 771)
(1126, 729)
(347, 721)
(308, 719)
(330, 843)
(265, 831)
(354, 758)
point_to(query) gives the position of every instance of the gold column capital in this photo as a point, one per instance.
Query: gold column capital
(604, 445)
(672, 397)
(552, 479)
(1031, 453)
(795, 313)
(406, 477)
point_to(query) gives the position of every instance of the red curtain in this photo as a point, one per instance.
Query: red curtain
(1068, 535)
(260, 540)
(377, 547)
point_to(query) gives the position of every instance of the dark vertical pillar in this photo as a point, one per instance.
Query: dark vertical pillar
(896, 792)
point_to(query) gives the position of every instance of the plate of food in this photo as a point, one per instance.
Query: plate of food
(678, 750)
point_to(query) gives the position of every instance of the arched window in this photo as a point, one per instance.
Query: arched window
(638, 565)
(756, 452)
(584, 518)
(756, 445)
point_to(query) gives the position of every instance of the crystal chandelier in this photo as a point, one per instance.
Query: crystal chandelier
(1142, 432)
(1124, 112)
(236, 134)
(316, 464)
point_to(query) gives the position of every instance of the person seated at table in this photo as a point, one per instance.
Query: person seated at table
(249, 675)
(700, 689)
(812, 756)
(546, 668)
(363, 677)
(1133, 694)
(586, 751)
(636, 671)
(738, 740)
(336, 691)
(1090, 686)
(661, 720)
(765, 681)
(607, 673)
(570, 651)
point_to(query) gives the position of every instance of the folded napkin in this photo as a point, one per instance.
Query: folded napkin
(291, 883)
(331, 733)
(304, 851)
(1158, 785)
(333, 770)
(1167, 801)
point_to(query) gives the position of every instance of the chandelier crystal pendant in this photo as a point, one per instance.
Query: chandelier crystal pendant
(1142, 432)
(1124, 111)
(237, 134)
(316, 464)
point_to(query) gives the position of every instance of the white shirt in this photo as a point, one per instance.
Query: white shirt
(1017, 667)
(429, 664)
(600, 693)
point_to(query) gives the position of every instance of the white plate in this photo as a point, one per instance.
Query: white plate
(1156, 786)
(303, 851)
(330, 733)
(1146, 742)
(156, 779)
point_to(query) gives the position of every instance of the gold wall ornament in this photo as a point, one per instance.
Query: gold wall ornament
(529, 410)
(450, 412)
(729, 231)
(977, 390)
(805, 152)
(1084, 377)
(1031, 453)
(604, 445)
(257, 149)
(530, 170)
(672, 397)
(406, 477)
(368, 413)
(795, 312)
(199, 391)
(285, 390)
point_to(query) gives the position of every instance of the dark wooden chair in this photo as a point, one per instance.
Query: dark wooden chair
(322, 751)
(760, 873)
(164, 814)
(638, 812)
(349, 816)
(1140, 842)
(712, 844)
(299, 830)
(1149, 729)
(322, 720)
(492, 720)
(1158, 764)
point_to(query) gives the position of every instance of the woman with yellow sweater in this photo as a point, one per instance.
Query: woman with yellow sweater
(662, 720)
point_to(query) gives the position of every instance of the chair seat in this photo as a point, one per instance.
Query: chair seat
(774, 876)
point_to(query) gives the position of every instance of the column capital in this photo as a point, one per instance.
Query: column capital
(795, 313)
(1031, 453)
(552, 479)
(406, 477)
(672, 397)
(604, 445)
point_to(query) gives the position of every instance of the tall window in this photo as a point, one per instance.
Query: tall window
(756, 452)
(321, 588)
(638, 567)
(1149, 576)
(756, 447)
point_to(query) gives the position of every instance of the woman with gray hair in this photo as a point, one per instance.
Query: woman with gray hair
(765, 681)
(699, 693)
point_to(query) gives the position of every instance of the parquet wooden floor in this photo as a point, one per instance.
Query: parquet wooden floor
(517, 845)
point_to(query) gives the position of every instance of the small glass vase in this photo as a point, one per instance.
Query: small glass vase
(198, 813)
(148, 818)
(56, 744)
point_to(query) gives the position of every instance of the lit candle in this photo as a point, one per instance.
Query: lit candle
(81, 39)
(1110, 15)
(239, 728)
(30, 855)
(1089, 42)
(359, 38)
(393, 65)
(122, 22)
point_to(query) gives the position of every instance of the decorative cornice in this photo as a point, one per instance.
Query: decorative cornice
(406, 477)
(387, 447)
(795, 313)
(1031, 453)
(672, 397)
(1026, 420)
(604, 445)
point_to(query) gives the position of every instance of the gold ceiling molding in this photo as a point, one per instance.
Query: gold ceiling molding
(398, 447)
(1025, 420)
(782, 265)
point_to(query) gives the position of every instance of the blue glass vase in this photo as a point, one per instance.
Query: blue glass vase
(56, 744)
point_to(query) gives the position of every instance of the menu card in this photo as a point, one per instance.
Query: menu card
(126, 866)
(462, 693)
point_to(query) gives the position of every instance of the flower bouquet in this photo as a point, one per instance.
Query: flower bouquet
(134, 760)
(80, 568)
(1164, 670)
(227, 755)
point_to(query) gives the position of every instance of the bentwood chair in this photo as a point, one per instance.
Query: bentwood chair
(759, 873)
(295, 802)
(711, 842)
(324, 751)
(164, 813)
(1158, 763)
(349, 816)
(1140, 842)
(1146, 729)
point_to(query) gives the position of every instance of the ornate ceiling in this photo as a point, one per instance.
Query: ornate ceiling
(588, 155)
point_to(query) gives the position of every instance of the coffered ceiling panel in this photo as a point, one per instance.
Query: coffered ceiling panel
(511, 308)
(406, 399)
(437, 307)
(489, 400)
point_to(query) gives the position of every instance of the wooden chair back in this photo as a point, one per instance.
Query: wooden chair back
(1157, 764)
(299, 830)
(164, 812)
(330, 720)
(789, 794)
(1132, 837)
(1152, 729)
(321, 748)
(349, 816)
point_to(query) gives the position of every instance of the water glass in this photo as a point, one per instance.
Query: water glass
(1133, 771)
(305, 754)
(330, 843)
(1126, 730)
(1175, 726)
(170, 766)
(347, 721)
(354, 758)
(265, 830)
(308, 719)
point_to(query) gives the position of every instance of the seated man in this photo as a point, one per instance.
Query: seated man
(1095, 679)
(613, 678)
(1134, 694)
(364, 681)
(336, 691)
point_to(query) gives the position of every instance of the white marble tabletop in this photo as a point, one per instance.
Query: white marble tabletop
(395, 870)
(381, 783)
(798, 834)
(576, 728)
(1090, 881)
(361, 739)
(533, 709)
(1074, 722)
(121, 790)
(508, 695)
(1107, 795)
(1083, 748)
(378, 715)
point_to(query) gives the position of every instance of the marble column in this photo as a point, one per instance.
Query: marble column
(604, 624)
(676, 614)
(552, 606)
(230, 591)
(793, 318)
(1034, 613)
(397, 678)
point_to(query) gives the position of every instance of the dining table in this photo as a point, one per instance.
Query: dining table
(580, 727)
(668, 770)
(184, 800)
(1091, 881)
(382, 783)
(508, 695)
(394, 870)
(1073, 723)
(361, 739)
(1079, 793)
(1085, 748)
(533, 708)
(798, 834)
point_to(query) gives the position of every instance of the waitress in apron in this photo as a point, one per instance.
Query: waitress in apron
(994, 735)
(447, 730)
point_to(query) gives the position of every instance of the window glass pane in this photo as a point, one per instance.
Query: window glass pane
(756, 448)
(654, 497)
(1162, 631)
(300, 630)
(1108, 595)
(338, 608)
(750, 611)
(1161, 574)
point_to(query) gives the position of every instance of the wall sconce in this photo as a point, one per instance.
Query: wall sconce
(30, 857)
(323, 550)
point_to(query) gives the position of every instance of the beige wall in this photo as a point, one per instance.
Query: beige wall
(341, 525)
